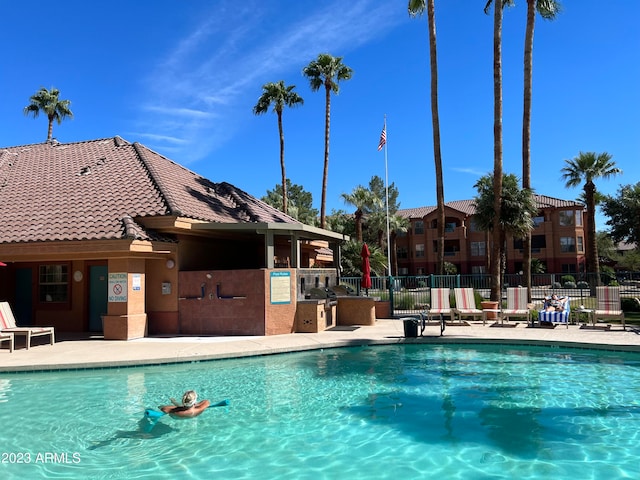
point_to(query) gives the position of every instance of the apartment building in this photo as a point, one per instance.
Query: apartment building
(558, 239)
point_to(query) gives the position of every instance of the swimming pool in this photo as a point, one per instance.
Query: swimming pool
(401, 411)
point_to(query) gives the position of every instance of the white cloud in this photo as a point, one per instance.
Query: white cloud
(227, 56)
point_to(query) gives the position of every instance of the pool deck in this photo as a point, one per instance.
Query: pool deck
(78, 351)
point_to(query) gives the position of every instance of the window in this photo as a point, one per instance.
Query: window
(537, 221)
(478, 249)
(450, 227)
(579, 218)
(420, 250)
(418, 227)
(567, 218)
(567, 244)
(53, 283)
(568, 268)
(473, 226)
(403, 271)
(478, 269)
(580, 244)
(401, 252)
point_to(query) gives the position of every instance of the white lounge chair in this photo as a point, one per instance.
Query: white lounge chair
(517, 304)
(609, 305)
(8, 325)
(465, 303)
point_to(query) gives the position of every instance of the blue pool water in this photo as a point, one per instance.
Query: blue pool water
(407, 411)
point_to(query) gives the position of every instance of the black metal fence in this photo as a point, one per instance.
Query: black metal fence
(411, 294)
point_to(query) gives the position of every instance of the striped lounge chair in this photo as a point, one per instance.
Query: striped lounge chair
(465, 303)
(440, 305)
(517, 304)
(608, 304)
(8, 325)
(556, 317)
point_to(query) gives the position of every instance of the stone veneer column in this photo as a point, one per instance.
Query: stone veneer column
(127, 320)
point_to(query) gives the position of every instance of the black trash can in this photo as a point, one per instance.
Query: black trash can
(410, 327)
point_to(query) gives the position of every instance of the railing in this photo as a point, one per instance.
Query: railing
(411, 294)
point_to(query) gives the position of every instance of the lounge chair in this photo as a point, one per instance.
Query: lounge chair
(8, 325)
(466, 303)
(557, 316)
(517, 304)
(7, 337)
(440, 306)
(608, 304)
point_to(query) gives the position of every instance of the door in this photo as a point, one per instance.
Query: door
(98, 296)
(23, 309)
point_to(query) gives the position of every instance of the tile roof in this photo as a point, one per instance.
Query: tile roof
(98, 189)
(468, 206)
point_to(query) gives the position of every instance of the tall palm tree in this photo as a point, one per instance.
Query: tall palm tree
(587, 167)
(494, 266)
(365, 201)
(548, 9)
(279, 95)
(47, 101)
(326, 71)
(417, 7)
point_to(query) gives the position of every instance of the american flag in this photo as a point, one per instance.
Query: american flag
(383, 138)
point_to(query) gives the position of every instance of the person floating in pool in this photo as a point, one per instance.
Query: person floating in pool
(190, 407)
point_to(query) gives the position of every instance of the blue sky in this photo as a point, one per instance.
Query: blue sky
(181, 77)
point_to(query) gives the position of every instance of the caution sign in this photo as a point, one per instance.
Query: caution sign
(117, 287)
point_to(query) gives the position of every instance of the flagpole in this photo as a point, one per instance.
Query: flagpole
(386, 182)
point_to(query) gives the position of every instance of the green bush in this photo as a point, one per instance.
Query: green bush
(568, 278)
(583, 285)
(556, 285)
(569, 285)
(630, 305)
(403, 301)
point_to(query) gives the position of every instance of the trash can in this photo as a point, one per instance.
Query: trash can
(410, 327)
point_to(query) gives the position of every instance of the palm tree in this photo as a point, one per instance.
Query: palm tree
(279, 95)
(48, 102)
(494, 266)
(587, 167)
(548, 9)
(417, 7)
(396, 224)
(365, 201)
(328, 71)
(518, 207)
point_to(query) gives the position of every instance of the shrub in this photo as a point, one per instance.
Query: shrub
(630, 305)
(583, 285)
(556, 285)
(568, 278)
(569, 285)
(403, 301)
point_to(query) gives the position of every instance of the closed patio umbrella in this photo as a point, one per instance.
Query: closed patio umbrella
(366, 269)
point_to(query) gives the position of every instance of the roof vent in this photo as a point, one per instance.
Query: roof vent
(85, 171)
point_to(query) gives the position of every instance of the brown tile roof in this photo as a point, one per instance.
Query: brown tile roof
(98, 189)
(468, 206)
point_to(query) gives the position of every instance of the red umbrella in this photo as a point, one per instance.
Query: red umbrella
(366, 268)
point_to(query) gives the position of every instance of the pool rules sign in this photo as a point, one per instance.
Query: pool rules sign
(118, 287)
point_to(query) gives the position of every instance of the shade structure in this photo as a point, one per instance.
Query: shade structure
(366, 268)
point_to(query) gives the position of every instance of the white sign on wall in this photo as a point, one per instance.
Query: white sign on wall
(118, 287)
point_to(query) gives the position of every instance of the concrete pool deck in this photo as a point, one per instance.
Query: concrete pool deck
(73, 352)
